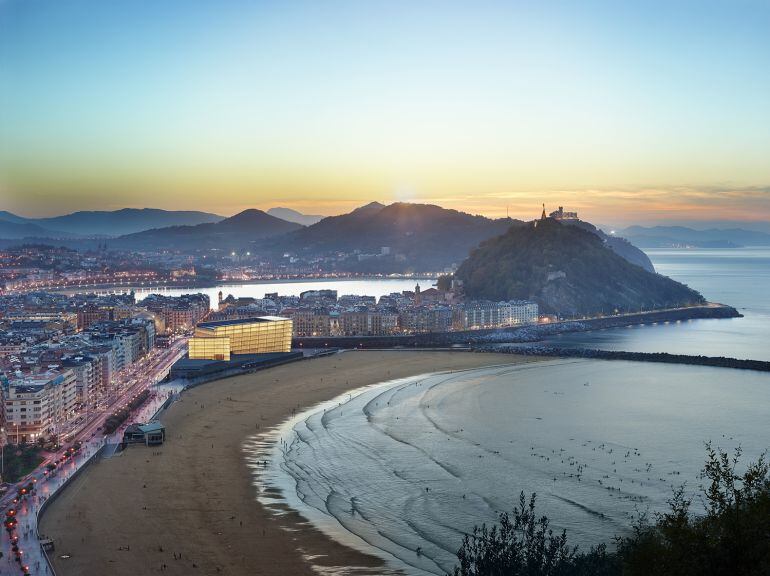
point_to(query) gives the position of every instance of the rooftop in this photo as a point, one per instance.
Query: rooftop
(151, 427)
(218, 323)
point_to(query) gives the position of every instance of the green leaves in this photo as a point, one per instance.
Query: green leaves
(732, 538)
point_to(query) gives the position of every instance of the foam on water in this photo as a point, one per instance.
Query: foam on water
(406, 468)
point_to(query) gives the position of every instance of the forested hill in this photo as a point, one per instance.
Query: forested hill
(567, 271)
(420, 236)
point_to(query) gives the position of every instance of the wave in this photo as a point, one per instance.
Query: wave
(407, 468)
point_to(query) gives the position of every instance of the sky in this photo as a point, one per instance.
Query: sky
(625, 111)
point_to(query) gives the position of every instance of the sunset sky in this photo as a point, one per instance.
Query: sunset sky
(625, 111)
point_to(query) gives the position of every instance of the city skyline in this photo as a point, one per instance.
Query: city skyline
(657, 110)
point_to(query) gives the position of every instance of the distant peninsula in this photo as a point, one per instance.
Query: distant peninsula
(568, 271)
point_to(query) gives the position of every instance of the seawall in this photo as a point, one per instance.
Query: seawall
(663, 357)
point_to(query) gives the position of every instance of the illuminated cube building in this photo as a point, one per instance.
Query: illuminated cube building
(222, 339)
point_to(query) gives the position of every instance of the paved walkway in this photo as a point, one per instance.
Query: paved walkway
(31, 555)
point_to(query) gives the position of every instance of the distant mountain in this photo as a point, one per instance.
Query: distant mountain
(415, 237)
(675, 236)
(568, 271)
(6, 216)
(19, 230)
(114, 223)
(125, 221)
(239, 231)
(752, 225)
(293, 216)
(373, 208)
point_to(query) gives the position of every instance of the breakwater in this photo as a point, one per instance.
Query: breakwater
(662, 357)
(520, 334)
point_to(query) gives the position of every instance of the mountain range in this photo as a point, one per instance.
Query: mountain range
(399, 237)
(566, 269)
(681, 236)
(102, 223)
(394, 238)
(127, 221)
(238, 232)
(21, 229)
(375, 237)
(293, 216)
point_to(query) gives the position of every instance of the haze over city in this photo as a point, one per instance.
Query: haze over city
(627, 112)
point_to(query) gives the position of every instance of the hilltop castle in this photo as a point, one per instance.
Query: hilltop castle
(560, 214)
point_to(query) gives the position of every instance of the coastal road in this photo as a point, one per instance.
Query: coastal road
(26, 533)
(144, 375)
(149, 372)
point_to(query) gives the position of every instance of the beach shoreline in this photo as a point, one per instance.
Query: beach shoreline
(190, 506)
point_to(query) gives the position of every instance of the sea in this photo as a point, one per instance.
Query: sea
(739, 277)
(405, 468)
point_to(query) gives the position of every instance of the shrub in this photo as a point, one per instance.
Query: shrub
(731, 538)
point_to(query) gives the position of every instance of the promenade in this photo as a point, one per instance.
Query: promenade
(28, 557)
(517, 334)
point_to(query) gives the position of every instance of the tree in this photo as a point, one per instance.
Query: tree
(731, 538)
(524, 545)
(444, 282)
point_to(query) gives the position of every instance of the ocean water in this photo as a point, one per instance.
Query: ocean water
(412, 465)
(405, 468)
(738, 277)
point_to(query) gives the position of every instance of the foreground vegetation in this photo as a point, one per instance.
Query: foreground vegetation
(731, 538)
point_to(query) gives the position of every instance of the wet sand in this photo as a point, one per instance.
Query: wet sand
(190, 505)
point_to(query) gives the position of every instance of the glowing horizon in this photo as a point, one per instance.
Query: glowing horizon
(647, 113)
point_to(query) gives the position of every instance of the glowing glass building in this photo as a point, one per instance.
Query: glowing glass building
(219, 340)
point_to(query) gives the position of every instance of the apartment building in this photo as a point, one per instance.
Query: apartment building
(37, 406)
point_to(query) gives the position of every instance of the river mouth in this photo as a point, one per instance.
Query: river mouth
(403, 469)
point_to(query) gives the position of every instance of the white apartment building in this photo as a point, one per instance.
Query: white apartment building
(37, 406)
(87, 376)
(482, 314)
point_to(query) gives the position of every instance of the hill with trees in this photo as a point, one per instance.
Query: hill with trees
(419, 236)
(568, 271)
(621, 246)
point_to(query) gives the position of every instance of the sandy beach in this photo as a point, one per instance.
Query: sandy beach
(190, 506)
